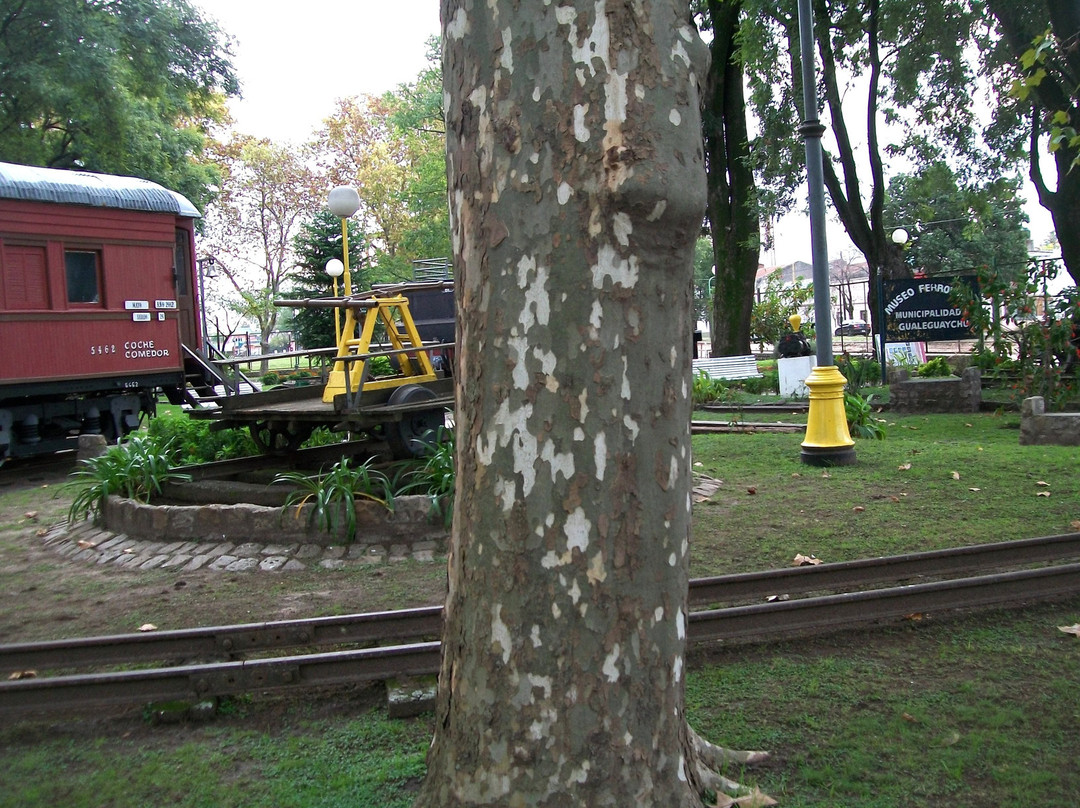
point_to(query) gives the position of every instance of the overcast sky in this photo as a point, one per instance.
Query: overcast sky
(294, 58)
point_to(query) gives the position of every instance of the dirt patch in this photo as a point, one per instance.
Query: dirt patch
(46, 596)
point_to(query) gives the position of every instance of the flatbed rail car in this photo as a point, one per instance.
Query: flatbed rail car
(406, 409)
(97, 304)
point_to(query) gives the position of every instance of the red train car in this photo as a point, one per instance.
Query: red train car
(97, 304)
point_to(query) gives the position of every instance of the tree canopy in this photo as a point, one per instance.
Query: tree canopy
(117, 86)
(958, 228)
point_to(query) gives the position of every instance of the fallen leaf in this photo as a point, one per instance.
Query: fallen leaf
(826, 474)
(974, 489)
(147, 627)
(967, 425)
(858, 509)
(795, 474)
(751, 490)
(755, 799)
(1073, 629)
(952, 740)
(956, 475)
(17, 675)
(805, 561)
(1043, 494)
(128, 550)
(910, 717)
(895, 499)
(914, 617)
(1075, 524)
(775, 598)
(41, 532)
(1040, 483)
(903, 467)
(698, 464)
(86, 544)
(31, 514)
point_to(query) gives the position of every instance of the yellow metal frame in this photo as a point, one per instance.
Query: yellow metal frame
(403, 336)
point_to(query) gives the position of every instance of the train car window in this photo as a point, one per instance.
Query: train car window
(182, 263)
(26, 285)
(82, 276)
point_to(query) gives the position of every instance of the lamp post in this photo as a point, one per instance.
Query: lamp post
(827, 442)
(343, 202)
(335, 269)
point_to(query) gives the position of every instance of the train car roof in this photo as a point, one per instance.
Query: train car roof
(35, 184)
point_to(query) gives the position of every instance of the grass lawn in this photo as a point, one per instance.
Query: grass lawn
(974, 711)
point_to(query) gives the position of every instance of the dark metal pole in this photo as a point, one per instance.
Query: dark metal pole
(811, 131)
(828, 442)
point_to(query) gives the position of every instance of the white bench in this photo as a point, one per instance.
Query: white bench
(728, 367)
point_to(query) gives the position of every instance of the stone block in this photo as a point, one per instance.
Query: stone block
(407, 697)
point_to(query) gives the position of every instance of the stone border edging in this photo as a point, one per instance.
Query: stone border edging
(90, 544)
(411, 520)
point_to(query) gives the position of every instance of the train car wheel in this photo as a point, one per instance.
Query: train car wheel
(279, 437)
(417, 429)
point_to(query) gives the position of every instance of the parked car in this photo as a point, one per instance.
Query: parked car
(853, 328)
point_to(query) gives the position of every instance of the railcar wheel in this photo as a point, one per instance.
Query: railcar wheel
(416, 430)
(279, 437)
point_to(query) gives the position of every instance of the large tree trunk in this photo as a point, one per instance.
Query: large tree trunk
(577, 190)
(732, 204)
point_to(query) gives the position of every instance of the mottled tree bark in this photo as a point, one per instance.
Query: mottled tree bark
(577, 190)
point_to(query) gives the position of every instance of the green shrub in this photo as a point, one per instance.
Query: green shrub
(860, 417)
(859, 373)
(433, 475)
(270, 379)
(194, 442)
(135, 469)
(707, 389)
(334, 494)
(936, 368)
(380, 366)
(769, 382)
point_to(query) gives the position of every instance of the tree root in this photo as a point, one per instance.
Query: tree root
(711, 759)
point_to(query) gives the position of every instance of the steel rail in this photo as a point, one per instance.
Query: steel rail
(863, 608)
(864, 572)
(198, 682)
(410, 624)
(222, 641)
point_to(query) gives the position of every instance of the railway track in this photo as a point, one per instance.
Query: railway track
(404, 645)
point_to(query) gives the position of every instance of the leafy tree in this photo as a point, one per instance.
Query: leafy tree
(319, 240)
(958, 228)
(912, 69)
(1039, 60)
(118, 86)
(360, 145)
(732, 209)
(267, 193)
(577, 193)
(769, 319)
(415, 112)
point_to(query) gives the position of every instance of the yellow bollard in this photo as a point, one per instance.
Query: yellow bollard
(828, 442)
